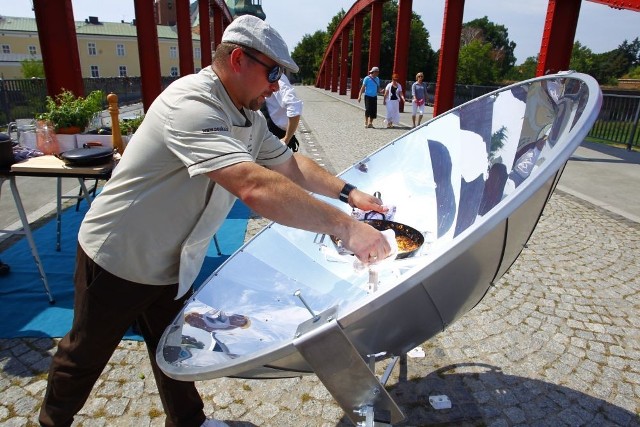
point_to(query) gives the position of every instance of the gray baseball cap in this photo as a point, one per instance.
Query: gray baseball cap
(249, 31)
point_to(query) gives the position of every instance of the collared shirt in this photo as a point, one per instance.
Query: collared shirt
(155, 209)
(284, 104)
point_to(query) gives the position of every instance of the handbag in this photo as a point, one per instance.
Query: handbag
(420, 102)
(90, 156)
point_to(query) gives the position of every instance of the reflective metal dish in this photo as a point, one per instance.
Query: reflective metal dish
(473, 181)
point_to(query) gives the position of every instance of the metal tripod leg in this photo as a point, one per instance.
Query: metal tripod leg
(344, 372)
(84, 194)
(215, 240)
(26, 230)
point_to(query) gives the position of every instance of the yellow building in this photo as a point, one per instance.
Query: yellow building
(106, 49)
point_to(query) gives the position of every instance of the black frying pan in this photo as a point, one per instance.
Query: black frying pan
(408, 238)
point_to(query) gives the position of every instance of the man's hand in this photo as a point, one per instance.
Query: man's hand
(366, 202)
(367, 243)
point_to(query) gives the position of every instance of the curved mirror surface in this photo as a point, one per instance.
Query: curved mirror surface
(453, 179)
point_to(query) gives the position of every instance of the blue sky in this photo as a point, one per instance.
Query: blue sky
(600, 27)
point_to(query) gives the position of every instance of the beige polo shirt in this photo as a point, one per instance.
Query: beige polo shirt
(158, 203)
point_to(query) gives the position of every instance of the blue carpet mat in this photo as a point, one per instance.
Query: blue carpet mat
(24, 307)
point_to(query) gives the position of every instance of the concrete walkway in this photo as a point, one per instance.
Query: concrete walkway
(555, 342)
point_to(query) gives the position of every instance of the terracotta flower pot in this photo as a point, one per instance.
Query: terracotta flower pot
(69, 130)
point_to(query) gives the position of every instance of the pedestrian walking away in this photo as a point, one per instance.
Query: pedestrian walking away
(202, 145)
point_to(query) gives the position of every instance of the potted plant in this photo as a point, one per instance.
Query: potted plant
(129, 126)
(70, 114)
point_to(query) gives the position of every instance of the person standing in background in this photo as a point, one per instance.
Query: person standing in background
(392, 96)
(282, 111)
(419, 98)
(370, 87)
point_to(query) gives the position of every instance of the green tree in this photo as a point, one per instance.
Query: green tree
(633, 73)
(32, 68)
(308, 55)
(475, 64)
(497, 36)
(524, 71)
(631, 51)
(582, 59)
(422, 57)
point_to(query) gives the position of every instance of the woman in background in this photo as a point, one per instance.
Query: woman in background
(419, 98)
(392, 96)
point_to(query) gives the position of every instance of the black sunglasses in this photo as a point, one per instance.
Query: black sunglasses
(274, 73)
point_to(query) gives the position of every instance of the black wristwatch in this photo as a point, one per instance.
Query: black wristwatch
(346, 190)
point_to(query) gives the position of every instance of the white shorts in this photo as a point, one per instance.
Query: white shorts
(417, 109)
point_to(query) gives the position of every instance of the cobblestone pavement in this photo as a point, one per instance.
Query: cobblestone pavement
(555, 342)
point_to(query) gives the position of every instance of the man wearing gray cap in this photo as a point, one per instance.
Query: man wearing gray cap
(370, 87)
(202, 145)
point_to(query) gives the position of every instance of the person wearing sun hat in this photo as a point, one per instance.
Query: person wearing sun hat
(202, 145)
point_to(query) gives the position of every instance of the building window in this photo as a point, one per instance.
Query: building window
(91, 47)
(120, 49)
(173, 52)
(32, 50)
(122, 70)
(95, 72)
(197, 53)
(6, 48)
(174, 72)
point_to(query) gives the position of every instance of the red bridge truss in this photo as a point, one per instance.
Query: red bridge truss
(555, 48)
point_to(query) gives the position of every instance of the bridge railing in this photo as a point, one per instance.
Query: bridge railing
(618, 120)
(25, 98)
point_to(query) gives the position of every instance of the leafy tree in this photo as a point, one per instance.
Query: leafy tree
(32, 68)
(631, 51)
(309, 52)
(608, 66)
(421, 55)
(475, 64)
(497, 36)
(308, 55)
(524, 71)
(582, 59)
(634, 73)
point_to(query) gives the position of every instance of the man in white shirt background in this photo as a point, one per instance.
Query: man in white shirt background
(282, 111)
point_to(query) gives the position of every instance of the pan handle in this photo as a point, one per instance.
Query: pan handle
(372, 213)
(378, 195)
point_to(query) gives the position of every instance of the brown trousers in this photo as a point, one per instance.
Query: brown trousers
(104, 308)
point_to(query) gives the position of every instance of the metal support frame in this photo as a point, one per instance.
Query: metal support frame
(351, 381)
(84, 194)
(26, 231)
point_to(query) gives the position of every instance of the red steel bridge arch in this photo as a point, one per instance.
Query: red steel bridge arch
(61, 60)
(555, 47)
